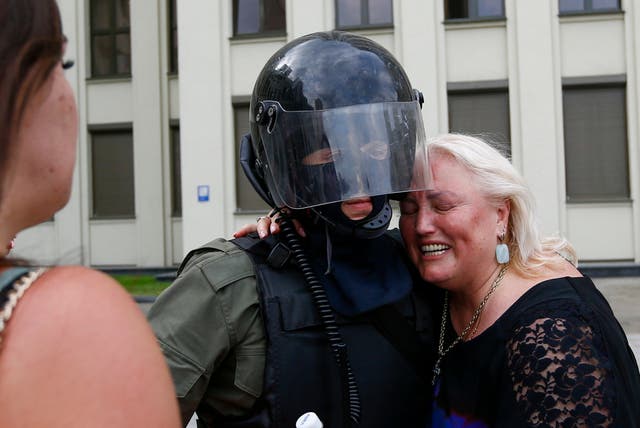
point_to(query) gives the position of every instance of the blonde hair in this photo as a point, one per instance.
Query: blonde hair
(498, 180)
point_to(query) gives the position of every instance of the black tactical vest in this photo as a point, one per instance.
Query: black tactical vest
(301, 373)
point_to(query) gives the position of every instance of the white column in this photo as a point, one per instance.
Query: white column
(202, 117)
(69, 221)
(533, 82)
(147, 131)
(420, 49)
(632, 28)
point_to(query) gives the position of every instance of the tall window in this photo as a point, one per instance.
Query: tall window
(176, 175)
(473, 9)
(259, 17)
(246, 197)
(595, 143)
(588, 6)
(112, 174)
(110, 38)
(173, 37)
(364, 13)
(484, 113)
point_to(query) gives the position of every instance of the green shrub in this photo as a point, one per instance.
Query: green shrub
(141, 285)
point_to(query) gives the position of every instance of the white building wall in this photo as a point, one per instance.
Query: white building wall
(532, 50)
(146, 99)
(632, 55)
(535, 104)
(204, 123)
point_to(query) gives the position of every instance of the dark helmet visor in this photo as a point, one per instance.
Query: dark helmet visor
(317, 157)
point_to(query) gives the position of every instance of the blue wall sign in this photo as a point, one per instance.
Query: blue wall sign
(203, 193)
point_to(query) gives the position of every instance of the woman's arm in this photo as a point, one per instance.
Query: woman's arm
(561, 373)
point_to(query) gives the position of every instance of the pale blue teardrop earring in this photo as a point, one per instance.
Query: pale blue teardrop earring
(502, 251)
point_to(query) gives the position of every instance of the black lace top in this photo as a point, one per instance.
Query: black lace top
(556, 358)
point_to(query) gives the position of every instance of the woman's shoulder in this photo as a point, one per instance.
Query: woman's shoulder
(72, 311)
(85, 303)
(547, 296)
(82, 332)
(75, 292)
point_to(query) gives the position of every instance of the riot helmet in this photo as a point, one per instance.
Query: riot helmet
(333, 117)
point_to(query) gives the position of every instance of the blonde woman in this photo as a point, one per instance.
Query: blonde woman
(524, 338)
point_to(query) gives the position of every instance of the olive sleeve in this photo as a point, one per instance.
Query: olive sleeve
(210, 330)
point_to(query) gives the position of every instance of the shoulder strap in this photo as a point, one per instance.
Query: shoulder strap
(270, 250)
(11, 277)
(11, 274)
(274, 252)
(221, 245)
(8, 276)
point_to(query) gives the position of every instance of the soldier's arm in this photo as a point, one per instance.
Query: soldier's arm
(210, 329)
(191, 329)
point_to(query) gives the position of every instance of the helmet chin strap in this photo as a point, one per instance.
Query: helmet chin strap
(370, 227)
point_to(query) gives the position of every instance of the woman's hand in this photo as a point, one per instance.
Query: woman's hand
(263, 226)
(266, 226)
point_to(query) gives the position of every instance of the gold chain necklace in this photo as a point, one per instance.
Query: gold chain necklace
(474, 318)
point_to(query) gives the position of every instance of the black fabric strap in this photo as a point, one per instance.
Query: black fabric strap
(7, 278)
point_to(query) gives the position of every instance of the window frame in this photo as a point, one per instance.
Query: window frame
(598, 82)
(109, 129)
(113, 32)
(472, 5)
(588, 10)
(243, 102)
(364, 16)
(175, 169)
(261, 33)
(172, 45)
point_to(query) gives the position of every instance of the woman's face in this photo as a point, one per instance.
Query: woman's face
(44, 154)
(451, 230)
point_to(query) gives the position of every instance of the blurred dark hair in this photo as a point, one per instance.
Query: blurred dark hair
(31, 44)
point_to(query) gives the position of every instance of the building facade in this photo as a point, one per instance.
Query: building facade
(554, 82)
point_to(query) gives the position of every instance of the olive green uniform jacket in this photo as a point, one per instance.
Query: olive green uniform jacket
(209, 326)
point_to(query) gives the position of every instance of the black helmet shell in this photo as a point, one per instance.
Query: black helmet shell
(328, 70)
(321, 71)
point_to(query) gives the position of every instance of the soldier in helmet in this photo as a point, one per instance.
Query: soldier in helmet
(259, 332)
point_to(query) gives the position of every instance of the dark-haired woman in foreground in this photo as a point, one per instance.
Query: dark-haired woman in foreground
(75, 350)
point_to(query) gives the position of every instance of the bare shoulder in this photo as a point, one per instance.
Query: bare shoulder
(520, 283)
(78, 347)
(89, 292)
(558, 268)
(66, 297)
(561, 269)
(90, 301)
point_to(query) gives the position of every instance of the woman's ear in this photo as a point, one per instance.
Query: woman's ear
(504, 208)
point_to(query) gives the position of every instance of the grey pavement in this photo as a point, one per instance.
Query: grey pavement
(623, 294)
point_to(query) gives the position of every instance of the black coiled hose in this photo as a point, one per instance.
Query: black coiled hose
(338, 347)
